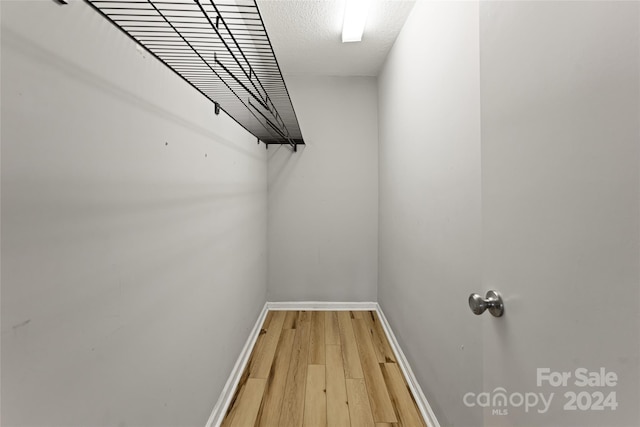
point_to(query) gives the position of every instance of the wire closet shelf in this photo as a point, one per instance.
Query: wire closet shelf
(221, 48)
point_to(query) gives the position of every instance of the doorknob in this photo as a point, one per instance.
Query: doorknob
(493, 302)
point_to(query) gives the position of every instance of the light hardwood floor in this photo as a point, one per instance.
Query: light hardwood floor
(322, 368)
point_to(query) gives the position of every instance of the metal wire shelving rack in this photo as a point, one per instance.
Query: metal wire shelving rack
(221, 48)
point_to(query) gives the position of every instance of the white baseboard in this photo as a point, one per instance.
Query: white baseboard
(321, 306)
(220, 409)
(416, 390)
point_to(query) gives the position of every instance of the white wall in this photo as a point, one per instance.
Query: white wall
(547, 214)
(323, 200)
(132, 270)
(430, 255)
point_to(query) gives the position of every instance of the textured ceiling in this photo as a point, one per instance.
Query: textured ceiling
(306, 36)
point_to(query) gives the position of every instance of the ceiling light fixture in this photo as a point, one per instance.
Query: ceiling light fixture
(355, 17)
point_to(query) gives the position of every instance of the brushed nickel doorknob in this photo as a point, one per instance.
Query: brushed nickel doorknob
(492, 302)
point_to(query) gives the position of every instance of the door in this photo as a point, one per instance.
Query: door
(560, 135)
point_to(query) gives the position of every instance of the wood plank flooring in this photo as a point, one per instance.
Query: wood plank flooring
(322, 368)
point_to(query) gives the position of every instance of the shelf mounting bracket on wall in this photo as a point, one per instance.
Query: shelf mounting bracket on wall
(221, 48)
